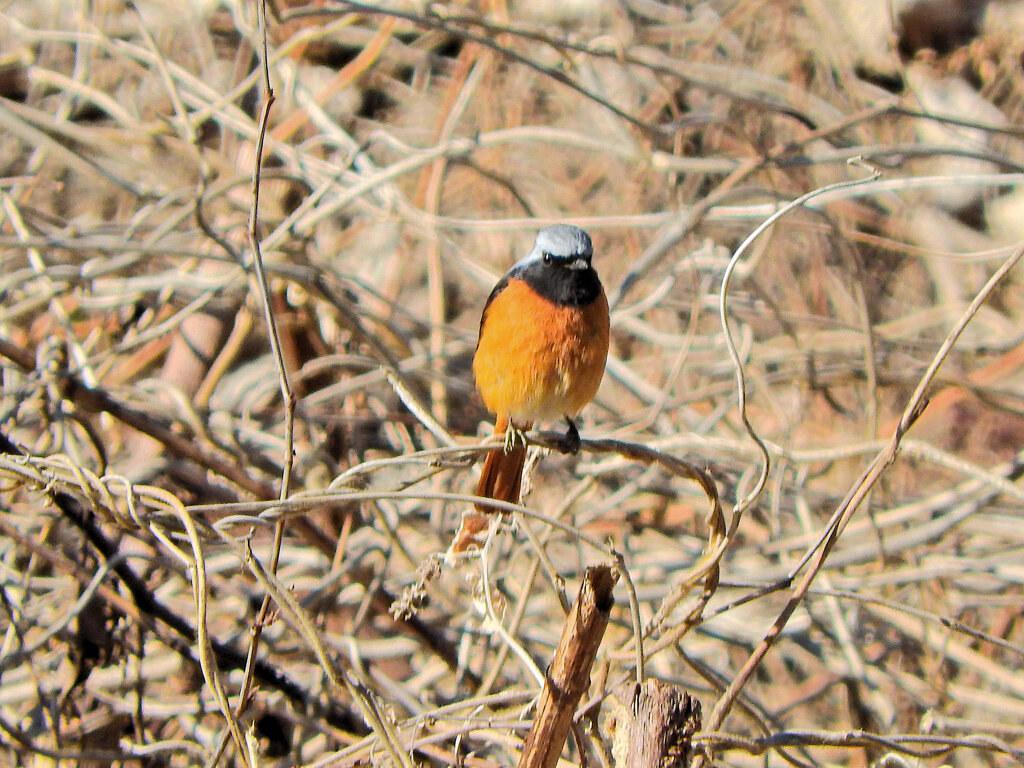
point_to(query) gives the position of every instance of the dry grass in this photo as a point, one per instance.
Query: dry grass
(166, 514)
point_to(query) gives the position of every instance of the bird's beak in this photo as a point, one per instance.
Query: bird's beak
(580, 263)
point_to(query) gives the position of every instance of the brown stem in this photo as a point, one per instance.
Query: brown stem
(569, 674)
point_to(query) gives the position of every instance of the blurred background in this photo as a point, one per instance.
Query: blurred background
(410, 155)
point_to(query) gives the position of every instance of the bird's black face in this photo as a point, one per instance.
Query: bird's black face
(574, 262)
(558, 268)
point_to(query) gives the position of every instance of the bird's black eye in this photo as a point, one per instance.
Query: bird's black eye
(547, 257)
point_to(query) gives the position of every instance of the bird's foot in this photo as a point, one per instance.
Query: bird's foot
(513, 435)
(571, 441)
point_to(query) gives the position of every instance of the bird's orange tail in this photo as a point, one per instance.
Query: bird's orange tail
(503, 471)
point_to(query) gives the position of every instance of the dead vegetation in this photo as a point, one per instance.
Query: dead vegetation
(207, 561)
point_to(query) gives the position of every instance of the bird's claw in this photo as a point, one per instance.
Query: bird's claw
(571, 440)
(513, 435)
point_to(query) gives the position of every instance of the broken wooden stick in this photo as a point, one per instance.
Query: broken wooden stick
(652, 725)
(568, 675)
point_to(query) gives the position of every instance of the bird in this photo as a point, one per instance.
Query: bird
(541, 352)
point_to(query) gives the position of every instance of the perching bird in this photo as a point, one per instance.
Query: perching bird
(542, 349)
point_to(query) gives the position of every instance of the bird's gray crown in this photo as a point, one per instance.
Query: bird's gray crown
(563, 241)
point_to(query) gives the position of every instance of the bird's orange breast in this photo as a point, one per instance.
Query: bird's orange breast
(537, 360)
